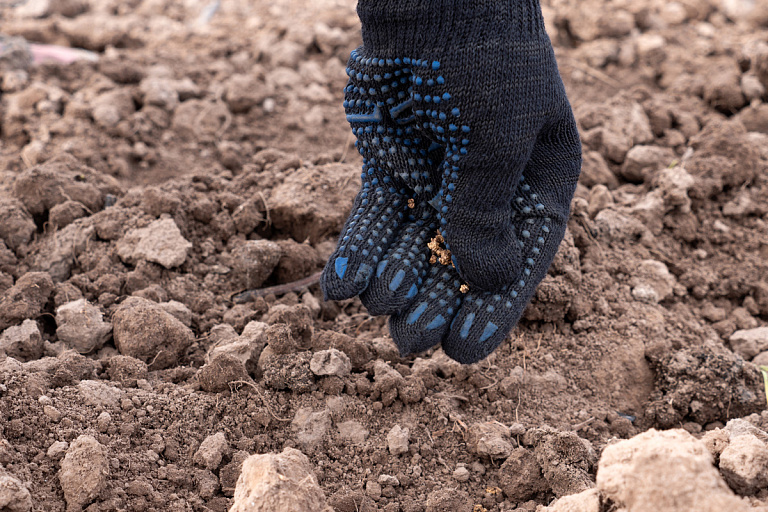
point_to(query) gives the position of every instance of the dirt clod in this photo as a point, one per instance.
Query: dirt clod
(147, 332)
(521, 478)
(161, 242)
(449, 500)
(25, 299)
(84, 471)
(283, 482)
(14, 496)
(640, 474)
(212, 450)
(254, 261)
(490, 440)
(330, 362)
(23, 342)
(81, 326)
(397, 440)
(744, 464)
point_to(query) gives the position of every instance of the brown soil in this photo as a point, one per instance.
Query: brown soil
(196, 160)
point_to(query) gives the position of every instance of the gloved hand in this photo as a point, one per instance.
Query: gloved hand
(485, 89)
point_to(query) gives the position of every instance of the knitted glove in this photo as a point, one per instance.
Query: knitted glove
(400, 174)
(479, 92)
(485, 87)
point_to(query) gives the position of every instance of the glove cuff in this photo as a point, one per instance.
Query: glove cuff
(404, 28)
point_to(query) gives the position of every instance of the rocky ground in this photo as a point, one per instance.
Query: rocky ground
(203, 152)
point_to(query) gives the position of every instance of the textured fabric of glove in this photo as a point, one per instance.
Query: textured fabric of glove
(399, 177)
(483, 88)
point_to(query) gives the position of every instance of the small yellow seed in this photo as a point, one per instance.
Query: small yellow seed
(464, 288)
(439, 253)
(411, 203)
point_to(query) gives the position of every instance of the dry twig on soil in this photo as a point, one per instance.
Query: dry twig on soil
(280, 289)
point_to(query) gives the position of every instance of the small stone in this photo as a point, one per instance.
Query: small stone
(461, 474)
(84, 471)
(652, 282)
(490, 440)
(247, 347)
(751, 87)
(211, 451)
(161, 242)
(713, 313)
(739, 427)
(81, 326)
(644, 159)
(397, 440)
(177, 310)
(159, 92)
(330, 362)
(23, 342)
(281, 482)
(517, 429)
(741, 206)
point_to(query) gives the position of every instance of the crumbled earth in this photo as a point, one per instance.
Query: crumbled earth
(204, 151)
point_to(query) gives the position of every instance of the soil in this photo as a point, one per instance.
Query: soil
(203, 155)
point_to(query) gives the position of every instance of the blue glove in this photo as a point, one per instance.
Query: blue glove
(486, 95)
